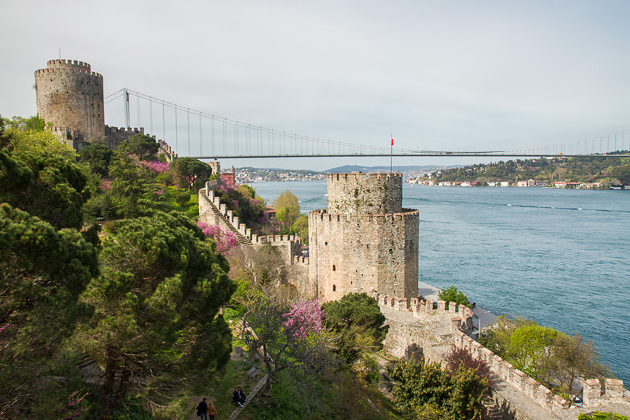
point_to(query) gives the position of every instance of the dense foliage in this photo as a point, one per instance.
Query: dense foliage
(598, 415)
(359, 323)
(451, 294)
(97, 321)
(427, 391)
(551, 357)
(156, 306)
(245, 204)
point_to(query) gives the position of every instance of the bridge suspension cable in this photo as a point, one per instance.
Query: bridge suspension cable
(208, 136)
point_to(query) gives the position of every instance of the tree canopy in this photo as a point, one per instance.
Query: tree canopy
(46, 186)
(427, 391)
(553, 358)
(358, 321)
(192, 173)
(143, 146)
(451, 294)
(42, 273)
(287, 210)
(98, 157)
(156, 306)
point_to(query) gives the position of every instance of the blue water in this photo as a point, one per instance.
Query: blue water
(560, 257)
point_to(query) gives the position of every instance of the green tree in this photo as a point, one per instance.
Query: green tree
(98, 157)
(133, 188)
(552, 358)
(157, 309)
(46, 186)
(451, 294)
(357, 320)
(280, 345)
(622, 173)
(287, 210)
(23, 137)
(287, 199)
(42, 273)
(191, 172)
(428, 392)
(530, 349)
(143, 146)
(573, 357)
(300, 227)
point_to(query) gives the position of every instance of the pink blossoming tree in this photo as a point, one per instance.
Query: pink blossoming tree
(225, 239)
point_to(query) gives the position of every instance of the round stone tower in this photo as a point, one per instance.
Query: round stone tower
(364, 240)
(70, 96)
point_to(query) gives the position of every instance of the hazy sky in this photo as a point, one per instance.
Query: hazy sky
(441, 75)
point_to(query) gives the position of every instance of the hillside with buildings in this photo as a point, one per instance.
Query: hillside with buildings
(563, 172)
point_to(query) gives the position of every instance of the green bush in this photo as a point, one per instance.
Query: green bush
(598, 415)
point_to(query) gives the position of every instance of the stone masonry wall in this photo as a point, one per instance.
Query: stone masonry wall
(70, 96)
(362, 252)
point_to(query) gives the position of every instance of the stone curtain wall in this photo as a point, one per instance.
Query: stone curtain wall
(377, 193)
(211, 211)
(70, 96)
(433, 328)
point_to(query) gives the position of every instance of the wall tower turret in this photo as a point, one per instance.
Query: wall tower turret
(364, 240)
(70, 96)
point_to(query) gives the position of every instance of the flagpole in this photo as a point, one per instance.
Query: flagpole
(391, 155)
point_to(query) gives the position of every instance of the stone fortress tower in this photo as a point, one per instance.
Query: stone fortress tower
(70, 96)
(364, 240)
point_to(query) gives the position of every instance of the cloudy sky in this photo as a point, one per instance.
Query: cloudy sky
(440, 75)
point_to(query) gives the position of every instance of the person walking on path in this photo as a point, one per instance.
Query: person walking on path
(212, 411)
(202, 410)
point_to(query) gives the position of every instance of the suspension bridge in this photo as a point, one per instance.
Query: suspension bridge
(206, 136)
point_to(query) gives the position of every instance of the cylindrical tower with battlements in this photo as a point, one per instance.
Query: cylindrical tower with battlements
(70, 96)
(364, 240)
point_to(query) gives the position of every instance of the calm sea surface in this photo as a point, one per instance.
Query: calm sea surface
(560, 257)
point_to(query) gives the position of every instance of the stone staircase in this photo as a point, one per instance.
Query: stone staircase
(490, 409)
(250, 397)
(239, 236)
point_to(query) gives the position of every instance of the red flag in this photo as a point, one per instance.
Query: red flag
(392, 141)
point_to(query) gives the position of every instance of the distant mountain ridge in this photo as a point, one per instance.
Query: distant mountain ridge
(402, 169)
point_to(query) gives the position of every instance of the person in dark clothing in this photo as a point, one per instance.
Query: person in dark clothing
(202, 410)
(238, 396)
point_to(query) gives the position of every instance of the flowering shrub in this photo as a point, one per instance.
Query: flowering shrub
(157, 166)
(105, 186)
(225, 239)
(305, 317)
(73, 407)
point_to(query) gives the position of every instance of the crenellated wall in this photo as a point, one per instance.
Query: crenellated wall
(434, 328)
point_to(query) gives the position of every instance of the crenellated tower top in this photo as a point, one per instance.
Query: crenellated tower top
(359, 193)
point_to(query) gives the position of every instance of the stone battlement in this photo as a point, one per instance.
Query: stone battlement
(461, 315)
(63, 63)
(323, 216)
(592, 391)
(73, 66)
(360, 176)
